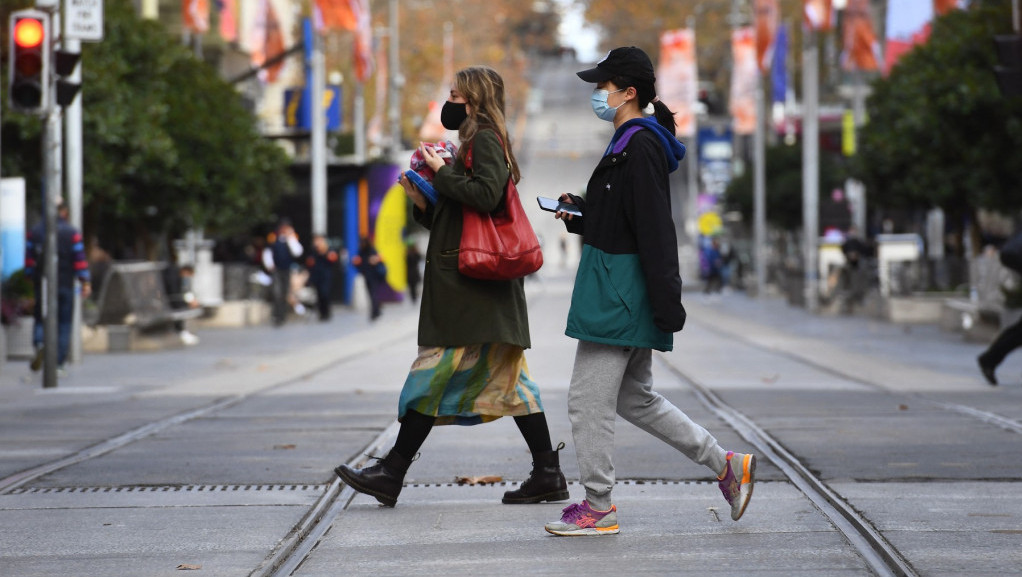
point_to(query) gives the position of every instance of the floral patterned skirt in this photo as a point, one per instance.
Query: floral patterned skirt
(470, 385)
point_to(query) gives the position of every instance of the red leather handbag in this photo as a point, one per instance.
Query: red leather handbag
(500, 245)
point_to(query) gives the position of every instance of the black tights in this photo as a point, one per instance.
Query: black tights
(415, 427)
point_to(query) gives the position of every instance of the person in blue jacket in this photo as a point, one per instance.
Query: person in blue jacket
(627, 298)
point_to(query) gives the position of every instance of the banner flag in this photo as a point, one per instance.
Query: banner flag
(779, 69)
(816, 15)
(861, 50)
(227, 9)
(196, 15)
(363, 39)
(677, 77)
(335, 14)
(766, 31)
(743, 80)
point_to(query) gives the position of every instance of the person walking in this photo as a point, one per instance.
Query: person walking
(473, 333)
(280, 253)
(71, 266)
(370, 265)
(321, 264)
(412, 260)
(627, 298)
(1010, 338)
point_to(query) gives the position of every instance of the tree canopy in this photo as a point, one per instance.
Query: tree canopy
(783, 186)
(167, 144)
(940, 134)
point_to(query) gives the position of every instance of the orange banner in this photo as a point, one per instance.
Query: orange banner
(196, 15)
(335, 15)
(743, 80)
(816, 14)
(861, 49)
(228, 24)
(767, 17)
(677, 78)
(363, 39)
(942, 7)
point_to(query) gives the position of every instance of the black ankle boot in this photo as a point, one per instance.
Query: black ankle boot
(545, 483)
(382, 480)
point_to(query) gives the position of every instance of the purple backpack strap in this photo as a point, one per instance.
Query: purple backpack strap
(623, 141)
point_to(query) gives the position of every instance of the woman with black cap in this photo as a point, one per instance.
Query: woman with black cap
(627, 297)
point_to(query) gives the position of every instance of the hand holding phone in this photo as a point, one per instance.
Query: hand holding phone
(552, 205)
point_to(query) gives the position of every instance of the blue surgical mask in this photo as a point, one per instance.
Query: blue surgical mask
(600, 106)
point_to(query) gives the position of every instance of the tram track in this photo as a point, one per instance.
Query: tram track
(880, 556)
(985, 416)
(20, 479)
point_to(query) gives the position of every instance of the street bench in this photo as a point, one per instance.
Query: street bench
(134, 310)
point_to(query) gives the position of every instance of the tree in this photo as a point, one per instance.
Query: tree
(167, 144)
(783, 187)
(940, 134)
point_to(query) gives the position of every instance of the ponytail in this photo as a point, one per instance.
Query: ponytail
(663, 115)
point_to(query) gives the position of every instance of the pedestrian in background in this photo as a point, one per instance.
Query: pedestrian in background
(71, 265)
(177, 281)
(279, 255)
(627, 298)
(413, 258)
(321, 264)
(473, 333)
(1010, 338)
(373, 271)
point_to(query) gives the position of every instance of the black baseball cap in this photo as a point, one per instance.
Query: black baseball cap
(627, 61)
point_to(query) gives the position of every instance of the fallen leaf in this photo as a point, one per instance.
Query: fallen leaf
(902, 407)
(186, 567)
(478, 480)
(284, 447)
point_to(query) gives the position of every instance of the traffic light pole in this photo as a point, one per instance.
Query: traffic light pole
(73, 166)
(52, 177)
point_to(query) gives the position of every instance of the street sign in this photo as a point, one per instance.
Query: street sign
(83, 20)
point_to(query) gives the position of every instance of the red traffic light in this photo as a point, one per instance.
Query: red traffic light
(28, 33)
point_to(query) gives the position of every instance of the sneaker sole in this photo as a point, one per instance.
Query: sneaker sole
(548, 497)
(351, 482)
(746, 496)
(586, 532)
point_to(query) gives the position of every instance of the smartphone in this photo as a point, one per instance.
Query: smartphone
(553, 205)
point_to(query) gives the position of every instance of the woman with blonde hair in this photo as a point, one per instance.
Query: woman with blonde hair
(473, 333)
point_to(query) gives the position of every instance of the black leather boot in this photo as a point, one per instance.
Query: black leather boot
(382, 480)
(545, 483)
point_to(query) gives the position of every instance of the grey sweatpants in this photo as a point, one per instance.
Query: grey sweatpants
(610, 379)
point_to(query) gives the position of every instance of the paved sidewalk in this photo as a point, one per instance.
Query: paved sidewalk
(302, 410)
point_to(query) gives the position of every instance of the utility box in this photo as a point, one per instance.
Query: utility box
(895, 253)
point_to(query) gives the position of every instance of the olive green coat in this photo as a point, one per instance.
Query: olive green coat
(457, 310)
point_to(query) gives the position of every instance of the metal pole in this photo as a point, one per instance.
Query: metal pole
(318, 138)
(759, 189)
(360, 122)
(394, 65)
(73, 166)
(52, 162)
(810, 166)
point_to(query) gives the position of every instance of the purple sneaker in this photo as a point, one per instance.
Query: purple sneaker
(738, 493)
(581, 519)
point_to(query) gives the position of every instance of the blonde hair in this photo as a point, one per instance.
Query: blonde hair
(483, 90)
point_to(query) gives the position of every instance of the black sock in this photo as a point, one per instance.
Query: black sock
(535, 431)
(415, 427)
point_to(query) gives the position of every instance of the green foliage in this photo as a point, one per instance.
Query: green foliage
(783, 186)
(940, 133)
(167, 144)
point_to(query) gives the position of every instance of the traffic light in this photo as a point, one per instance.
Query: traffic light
(64, 65)
(29, 65)
(1009, 68)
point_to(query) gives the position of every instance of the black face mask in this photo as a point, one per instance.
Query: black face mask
(453, 114)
